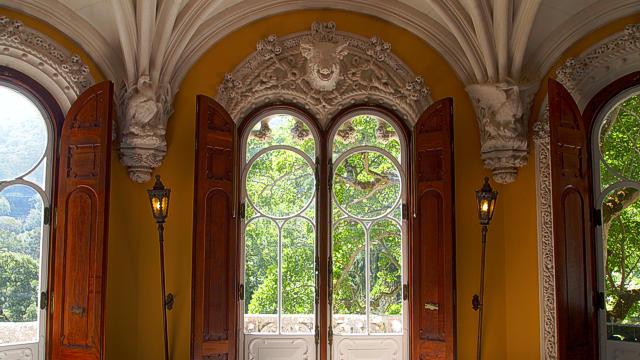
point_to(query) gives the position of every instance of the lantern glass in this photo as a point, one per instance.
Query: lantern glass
(486, 198)
(159, 198)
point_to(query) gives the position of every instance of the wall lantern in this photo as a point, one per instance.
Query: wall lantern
(486, 200)
(159, 199)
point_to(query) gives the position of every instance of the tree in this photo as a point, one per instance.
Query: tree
(18, 287)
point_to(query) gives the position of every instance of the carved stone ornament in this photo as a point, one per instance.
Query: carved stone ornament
(324, 71)
(501, 111)
(586, 74)
(28, 51)
(144, 109)
(546, 257)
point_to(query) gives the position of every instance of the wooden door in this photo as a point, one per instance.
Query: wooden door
(572, 228)
(432, 250)
(215, 286)
(81, 224)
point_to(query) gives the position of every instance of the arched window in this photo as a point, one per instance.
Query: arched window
(616, 164)
(26, 149)
(301, 240)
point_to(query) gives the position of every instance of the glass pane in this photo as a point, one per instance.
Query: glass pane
(367, 185)
(280, 130)
(620, 141)
(261, 277)
(21, 215)
(385, 294)
(621, 235)
(280, 183)
(298, 277)
(366, 130)
(349, 278)
(38, 175)
(23, 134)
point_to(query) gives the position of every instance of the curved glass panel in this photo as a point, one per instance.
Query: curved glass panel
(621, 236)
(298, 277)
(349, 278)
(280, 183)
(366, 130)
(620, 143)
(281, 129)
(23, 134)
(385, 292)
(21, 225)
(261, 276)
(366, 184)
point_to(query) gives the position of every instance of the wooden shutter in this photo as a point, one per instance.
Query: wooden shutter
(81, 224)
(433, 241)
(214, 308)
(572, 228)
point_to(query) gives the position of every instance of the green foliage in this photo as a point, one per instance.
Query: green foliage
(18, 287)
(621, 211)
(280, 183)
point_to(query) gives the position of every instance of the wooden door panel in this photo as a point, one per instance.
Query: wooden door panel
(214, 310)
(81, 225)
(432, 250)
(572, 227)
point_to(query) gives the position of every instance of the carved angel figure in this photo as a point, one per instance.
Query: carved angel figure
(144, 113)
(323, 63)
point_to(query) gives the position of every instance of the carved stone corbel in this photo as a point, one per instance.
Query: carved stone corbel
(144, 109)
(501, 111)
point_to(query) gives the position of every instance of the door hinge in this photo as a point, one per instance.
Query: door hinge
(243, 211)
(330, 336)
(405, 292)
(317, 335)
(44, 300)
(599, 301)
(46, 218)
(405, 211)
(241, 292)
(597, 217)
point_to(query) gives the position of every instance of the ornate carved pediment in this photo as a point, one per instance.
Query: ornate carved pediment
(323, 71)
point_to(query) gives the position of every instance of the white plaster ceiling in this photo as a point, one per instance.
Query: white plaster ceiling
(470, 34)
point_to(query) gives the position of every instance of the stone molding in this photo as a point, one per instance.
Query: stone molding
(63, 74)
(501, 112)
(323, 71)
(546, 257)
(611, 59)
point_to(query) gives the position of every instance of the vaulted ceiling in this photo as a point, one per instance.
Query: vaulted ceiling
(500, 49)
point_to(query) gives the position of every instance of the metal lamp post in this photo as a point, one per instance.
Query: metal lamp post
(159, 198)
(486, 200)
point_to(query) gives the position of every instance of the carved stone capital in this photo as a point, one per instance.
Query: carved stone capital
(144, 109)
(501, 111)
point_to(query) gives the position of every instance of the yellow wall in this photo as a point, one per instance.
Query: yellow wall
(134, 308)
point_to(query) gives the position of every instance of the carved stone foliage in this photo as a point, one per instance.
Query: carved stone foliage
(546, 257)
(586, 74)
(144, 109)
(501, 111)
(41, 58)
(323, 71)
